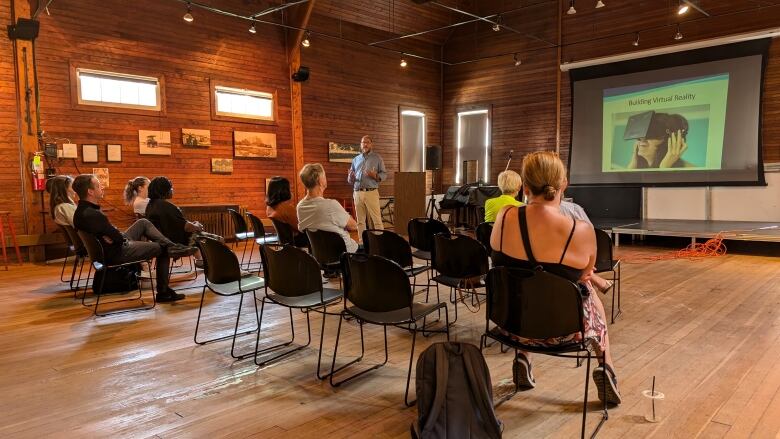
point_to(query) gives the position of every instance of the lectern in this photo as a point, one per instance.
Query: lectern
(409, 198)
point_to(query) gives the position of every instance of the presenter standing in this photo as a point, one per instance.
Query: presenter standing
(365, 174)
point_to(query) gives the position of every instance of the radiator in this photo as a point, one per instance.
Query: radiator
(214, 217)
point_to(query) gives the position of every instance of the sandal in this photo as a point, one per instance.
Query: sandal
(606, 383)
(522, 375)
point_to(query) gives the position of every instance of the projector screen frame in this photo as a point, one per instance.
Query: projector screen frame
(675, 59)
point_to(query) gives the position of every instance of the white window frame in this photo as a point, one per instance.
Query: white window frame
(420, 114)
(119, 76)
(458, 164)
(217, 89)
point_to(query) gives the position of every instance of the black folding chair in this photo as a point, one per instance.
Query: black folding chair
(242, 232)
(260, 236)
(394, 247)
(537, 305)
(380, 294)
(287, 235)
(327, 248)
(292, 280)
(96, 255)
(76, 246)
(605, 263)
(421, 232)
(462, 262)
(223, 278)
(482, 233)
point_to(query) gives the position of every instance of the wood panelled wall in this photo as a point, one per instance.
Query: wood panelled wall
(153, 38)
(356, 90)
(10, 177)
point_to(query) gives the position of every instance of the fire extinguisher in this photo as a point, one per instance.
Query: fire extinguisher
(38, 174)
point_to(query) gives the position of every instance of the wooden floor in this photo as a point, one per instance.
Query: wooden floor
(708, 330)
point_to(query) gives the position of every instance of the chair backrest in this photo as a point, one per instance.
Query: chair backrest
(533, 304)
(239, 224)
(422, 230)
(220, 264)
(604, 261)
(94, 248)
(389, 245)
(284, 231)
(483, 232)
(459, 256)
(257, 226)
(75, 239)
(326, 247)
(375, 284)
(290, 271)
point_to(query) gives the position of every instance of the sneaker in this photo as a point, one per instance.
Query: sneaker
(170, 295)
(522, 375)
(606, 383)
(178, 250)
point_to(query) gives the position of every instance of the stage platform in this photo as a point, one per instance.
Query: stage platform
(735, 230)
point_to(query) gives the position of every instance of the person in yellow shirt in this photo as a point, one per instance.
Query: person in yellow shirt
(509, 182)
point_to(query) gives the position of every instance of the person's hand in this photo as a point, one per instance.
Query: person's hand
(676, 147)
(351, 173)
(372, 174)
(107, 240)
(632, 164)
(198, 226)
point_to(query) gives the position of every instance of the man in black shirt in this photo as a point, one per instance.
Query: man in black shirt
(124, 247)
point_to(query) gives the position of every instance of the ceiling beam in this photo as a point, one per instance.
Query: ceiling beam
(277, 8)
(42, 6)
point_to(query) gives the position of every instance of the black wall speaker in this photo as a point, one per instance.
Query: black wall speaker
(301, 75)
(24, 29)
(433, 158)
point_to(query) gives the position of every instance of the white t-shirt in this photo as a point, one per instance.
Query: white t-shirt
(63, 214)
(139, 205)
(324, 214)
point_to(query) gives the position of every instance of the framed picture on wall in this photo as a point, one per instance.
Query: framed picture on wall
(192, 138)
(221, 166)
(114, 152)
(70, 151)
(89, 153)
(342, 152)
(154, 142)
(254, 145)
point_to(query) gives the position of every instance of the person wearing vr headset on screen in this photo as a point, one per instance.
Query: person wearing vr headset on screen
(660, 140)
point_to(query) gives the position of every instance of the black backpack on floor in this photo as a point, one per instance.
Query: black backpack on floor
(454, 394)
(118, 279)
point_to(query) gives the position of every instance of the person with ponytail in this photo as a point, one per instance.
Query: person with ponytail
(61, 204)
(540, 235)
(136, 194)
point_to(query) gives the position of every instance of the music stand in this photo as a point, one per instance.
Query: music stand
(432, 163)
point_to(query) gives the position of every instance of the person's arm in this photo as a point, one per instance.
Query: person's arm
(351, 173)
(351, 225)
(342, 218)
(587, 237)
(109, 233)
(381, 171)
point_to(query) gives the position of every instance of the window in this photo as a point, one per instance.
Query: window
(473, 141)
(110, 89)
(412, 141)
(248, 104)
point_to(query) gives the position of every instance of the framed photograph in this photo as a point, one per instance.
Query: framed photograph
(154, 142)
(221, 166)
(89, 153)
(342, 152)
(254, 145)
(192, 138)
(114, 152)
(102, 175)
(70, 151)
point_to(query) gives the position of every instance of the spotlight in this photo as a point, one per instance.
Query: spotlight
(252, 29)
(683, 8)
(403, 63)
(636, 40)
(600, 4)
(497, 24)
(188, 16)
(571, 10)
(305, 42)
(678, 36)
(518, 61)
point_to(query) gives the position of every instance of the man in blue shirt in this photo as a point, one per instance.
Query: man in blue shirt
(365, 174)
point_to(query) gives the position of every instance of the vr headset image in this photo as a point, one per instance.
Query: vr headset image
(652, 125)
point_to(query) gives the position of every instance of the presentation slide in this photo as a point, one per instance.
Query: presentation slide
(684, 119)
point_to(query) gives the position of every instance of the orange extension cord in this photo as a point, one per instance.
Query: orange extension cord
(711, 248)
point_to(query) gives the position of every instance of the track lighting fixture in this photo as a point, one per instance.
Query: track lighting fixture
(678, 36)
(518, 61)
(497, 24)
(252, 29)
(571, 10)
(683, 8)
(188, 16)
(403, 62)
(305, 42)
(600, 4)
(636, 40)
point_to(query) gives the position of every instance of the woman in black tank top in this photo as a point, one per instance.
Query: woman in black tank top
(564, 247)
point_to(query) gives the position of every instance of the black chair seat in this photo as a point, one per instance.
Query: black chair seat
(455, 282)
(245, 235)
(503, 338)
(268, 239)
(420, 254)
(396, 317)
(416, 269)
(247, 283)
(329, 295)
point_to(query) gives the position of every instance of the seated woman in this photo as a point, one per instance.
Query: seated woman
(136, 195)
(540, 235)
(169, 219)
(509, 182)
(279, 206)
(61, 204)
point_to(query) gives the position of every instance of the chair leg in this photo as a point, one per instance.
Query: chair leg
(64, 263)
(585, 399)
(259, 351)
(362, 352)
(224, 337)
(411, 361)
(322, 339)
